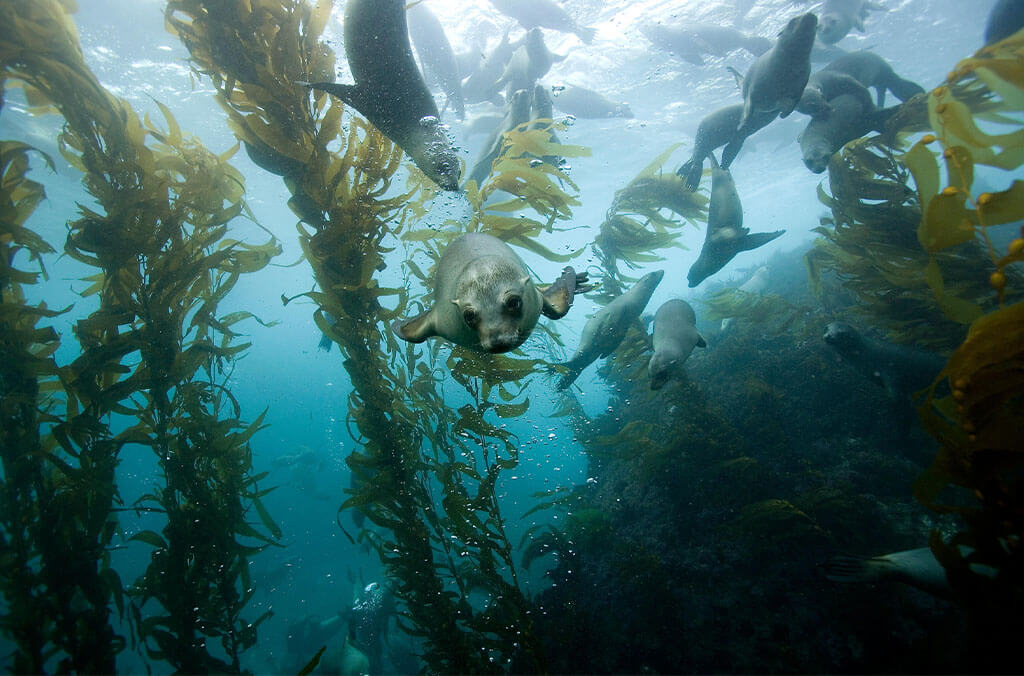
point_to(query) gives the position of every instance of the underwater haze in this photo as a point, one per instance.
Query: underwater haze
(767, 421)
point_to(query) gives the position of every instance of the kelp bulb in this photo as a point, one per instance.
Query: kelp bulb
(939, 92)
(997, 280)
(961, 383)
(1016, 247)
(958, 395)
(950, 189)
(928, 138)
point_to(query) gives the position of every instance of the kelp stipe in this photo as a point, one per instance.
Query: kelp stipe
(164, 264)
(351, 214)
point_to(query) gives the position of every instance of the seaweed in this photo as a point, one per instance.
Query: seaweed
(155, 351)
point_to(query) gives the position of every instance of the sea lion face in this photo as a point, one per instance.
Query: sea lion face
(499, 313)
(833, 28)
(841, 336)
(660, 369)
(799, 32)
(816, 152)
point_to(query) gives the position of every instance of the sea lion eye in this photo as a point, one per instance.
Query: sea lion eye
(470, 317)
(514, 304)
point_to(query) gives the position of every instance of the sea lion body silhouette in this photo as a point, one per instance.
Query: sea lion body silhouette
(916, 567)
(825, 85)
(588, 104)
(516, 113)
(726, 235)
(436, 54)
(675, 336)
(717, 129)
(485, 299)
(389, 89)
(1005, 19)
(776, 80)
(605, 330)
(846, 118)
(873, 71)
(691, 42)
(543, 14)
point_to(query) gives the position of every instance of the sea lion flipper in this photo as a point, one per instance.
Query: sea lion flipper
(417, 329)
(700, 341)
(758, 239)
(349, 94)
(559, 296)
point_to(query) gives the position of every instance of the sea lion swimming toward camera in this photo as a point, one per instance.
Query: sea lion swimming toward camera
(485, 299)
(675, 336)
(726, 235)
(839, 16)
(389, 89)
(846, 118)
(776, 80)
(605, 330)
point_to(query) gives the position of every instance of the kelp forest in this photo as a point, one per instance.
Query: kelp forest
(697, 542)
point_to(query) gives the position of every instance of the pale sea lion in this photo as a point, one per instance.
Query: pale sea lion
(900, 369)
(718, 129)
(839, 16)
(916, 567)
(530, 62)
(755, 286)
(776, 80)
(436, 54)
(389, 89)
(826, 85)
(605, 330)
(543, 14)
(587, 104)
(691, 42)
(675, 336)
(516, 113)
(1005, 19)
(872, 71)
(485, 299)
(726, 235)
(846, 119)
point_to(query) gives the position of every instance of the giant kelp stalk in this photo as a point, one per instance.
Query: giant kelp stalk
(342, 185)
(154, 351)
(926, 268)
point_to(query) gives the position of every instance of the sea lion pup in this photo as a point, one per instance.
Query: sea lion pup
(479, 86)
(485, 299)
(1005, 19)
(846, 119)
(873, 71)
(605, 330)
(839, 16)
(543, 14)
(675, 336)
(900, 369)
(587, 104)
(726, 235)
(389, 89)
(916, 567)
(776, 80)
(436, 54)
(516, 113)
(825, 85)
(718, 129)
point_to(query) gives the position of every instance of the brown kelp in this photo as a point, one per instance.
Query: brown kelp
(425, 473)
(155, 352)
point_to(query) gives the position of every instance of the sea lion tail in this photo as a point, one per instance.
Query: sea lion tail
(854, 569)
(690, 172)
(904, 89)
(586, 33)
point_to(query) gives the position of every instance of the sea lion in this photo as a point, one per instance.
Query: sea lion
(516, 113)
(485, 299)
(873, 71)
(530, 62)
(543, 111)
(916, 567)
(1005, 19)
(825, 85)
(839, 16)
(436, 54)
(543, 14)
(776, 80)
(480, 86)
(718, 129)
(587, 104)
(846, 119)
(605, 330)
(726, 235)
(389, 89)
(675, 336)
(691, 42)
(900, 369)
